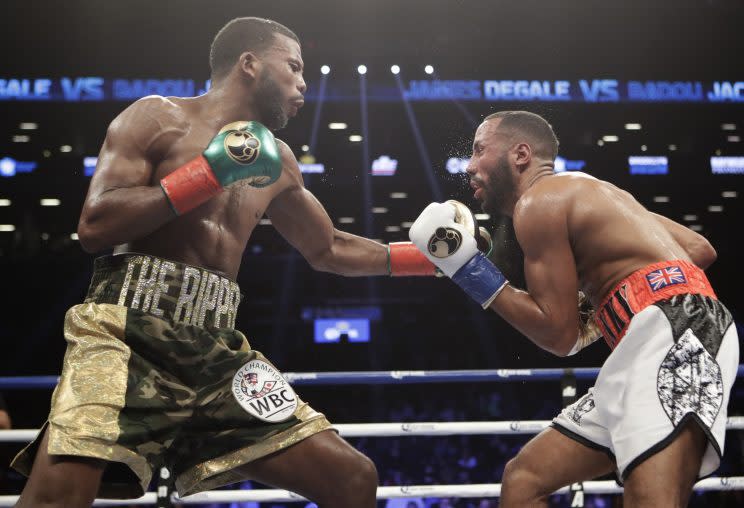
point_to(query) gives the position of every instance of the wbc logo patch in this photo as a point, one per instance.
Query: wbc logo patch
(263, 392)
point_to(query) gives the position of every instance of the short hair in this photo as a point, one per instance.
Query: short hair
(535, 127)
(240, 35)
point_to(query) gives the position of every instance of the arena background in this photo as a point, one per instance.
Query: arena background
(686, 52)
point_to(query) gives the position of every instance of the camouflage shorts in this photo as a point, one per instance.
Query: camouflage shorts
(142, 392)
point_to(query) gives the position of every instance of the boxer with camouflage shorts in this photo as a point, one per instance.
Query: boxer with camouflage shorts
(155, 374)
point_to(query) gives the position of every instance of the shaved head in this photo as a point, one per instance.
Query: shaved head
(529, 127)
(240, 35)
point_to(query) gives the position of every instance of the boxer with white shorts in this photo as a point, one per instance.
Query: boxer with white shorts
(657, 414)
(665, 320)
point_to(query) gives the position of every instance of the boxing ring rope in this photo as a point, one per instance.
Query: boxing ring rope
(392, 430)
(459, 491)
(398, 429)
(381, 377)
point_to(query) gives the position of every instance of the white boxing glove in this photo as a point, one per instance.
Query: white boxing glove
(446, 243)
(454, 250)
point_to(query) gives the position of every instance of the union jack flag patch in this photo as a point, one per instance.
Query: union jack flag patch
(659, 279)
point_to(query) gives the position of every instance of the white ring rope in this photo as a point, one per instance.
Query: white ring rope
(485, 490)
(390, 492)
(408, 429)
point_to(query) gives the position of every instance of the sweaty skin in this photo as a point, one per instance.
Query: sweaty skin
(603, 223)
(125, 207)
(576, 232)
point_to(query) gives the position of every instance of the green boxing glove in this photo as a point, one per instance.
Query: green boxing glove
(244, 151)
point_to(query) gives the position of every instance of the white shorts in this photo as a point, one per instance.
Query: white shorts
(676, 362)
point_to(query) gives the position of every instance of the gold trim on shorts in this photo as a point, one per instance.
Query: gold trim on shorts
(224, 470)
(95, 368)
(89, 404)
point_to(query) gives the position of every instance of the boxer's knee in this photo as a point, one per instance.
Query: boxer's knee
(522, 485)
(361, 483)
(57, 494)
(61, 481)
(351, 481)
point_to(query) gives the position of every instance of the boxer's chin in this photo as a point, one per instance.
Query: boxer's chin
(489, 205)
(494, 201)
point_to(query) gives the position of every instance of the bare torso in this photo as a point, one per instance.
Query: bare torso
(611, 234)
(215, 234)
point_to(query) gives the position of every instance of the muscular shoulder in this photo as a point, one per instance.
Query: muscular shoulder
(150, 112)
(564, 202)
(541, 198)
(150, 123)
(544, 207)
(558, 192)
(290, 183)
(290, 168)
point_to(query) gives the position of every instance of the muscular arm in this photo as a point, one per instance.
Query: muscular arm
(301, 219)
(547, 313)
(697, 247)
(121, 204)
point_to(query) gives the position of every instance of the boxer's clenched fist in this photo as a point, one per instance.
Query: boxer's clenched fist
(453, 248)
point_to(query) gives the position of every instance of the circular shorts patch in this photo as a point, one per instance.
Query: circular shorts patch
(263, 392)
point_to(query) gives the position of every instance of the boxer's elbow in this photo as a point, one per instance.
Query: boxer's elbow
(91, 235)
(5, 423)
(321, 261)
(558, 349)
(563, 349)
(89, 241)
(334, 257)
(559, 342)
(322, 258)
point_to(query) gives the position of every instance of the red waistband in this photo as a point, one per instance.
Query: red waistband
(651, 284)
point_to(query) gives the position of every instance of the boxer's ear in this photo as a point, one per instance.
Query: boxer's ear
(522, 156)
(249, 65)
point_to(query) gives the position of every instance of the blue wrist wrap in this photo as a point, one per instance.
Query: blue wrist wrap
(480, 279)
